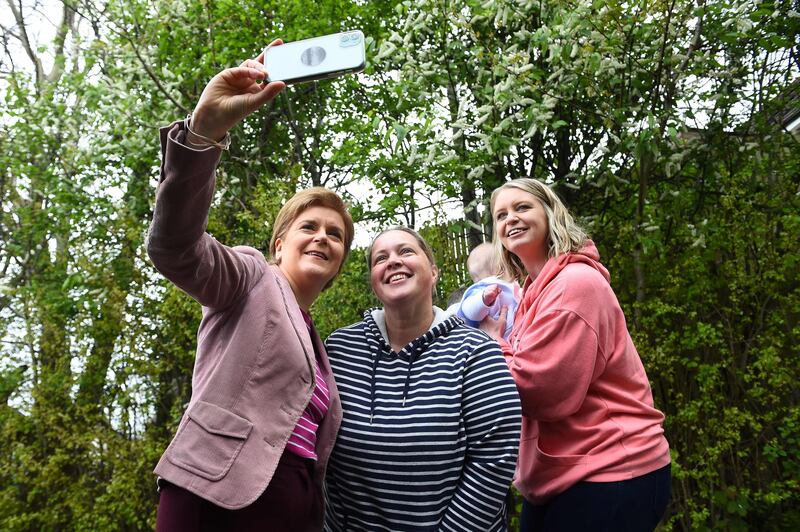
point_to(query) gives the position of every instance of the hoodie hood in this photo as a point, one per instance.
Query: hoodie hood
(587, 255)
(379, 317)
(380, 347)
(533, 287)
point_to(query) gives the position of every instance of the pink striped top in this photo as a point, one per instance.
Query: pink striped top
(303, 441)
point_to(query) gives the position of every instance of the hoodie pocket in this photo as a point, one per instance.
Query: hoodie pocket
(561, 460)
(209, 441)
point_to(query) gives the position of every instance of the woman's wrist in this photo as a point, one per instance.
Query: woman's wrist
(199, 138)
(206, 121)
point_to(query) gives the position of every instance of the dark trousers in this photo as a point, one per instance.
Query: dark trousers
(635, 505)
(289, 503)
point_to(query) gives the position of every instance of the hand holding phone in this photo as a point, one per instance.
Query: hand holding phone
(231, 95)
(316, 58)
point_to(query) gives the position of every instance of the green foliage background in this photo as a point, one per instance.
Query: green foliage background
(659, 123)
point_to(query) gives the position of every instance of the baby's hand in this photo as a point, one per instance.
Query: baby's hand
(490, 295)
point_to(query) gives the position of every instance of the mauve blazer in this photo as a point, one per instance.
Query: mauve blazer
(254, 372)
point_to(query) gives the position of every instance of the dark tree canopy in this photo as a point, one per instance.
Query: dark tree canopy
(663, 125)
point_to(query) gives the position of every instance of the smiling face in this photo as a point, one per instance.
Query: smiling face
(311, 251)
(400, 271)
(521, 225)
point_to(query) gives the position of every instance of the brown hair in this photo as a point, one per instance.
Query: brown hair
(312, 197)
(564, 235)
(426, 248)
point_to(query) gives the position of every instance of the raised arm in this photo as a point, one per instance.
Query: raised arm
(491, 413)
(177, 243)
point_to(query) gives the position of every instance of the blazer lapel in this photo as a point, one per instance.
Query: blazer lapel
(295, 316)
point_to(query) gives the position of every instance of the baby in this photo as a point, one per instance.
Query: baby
(489, 293)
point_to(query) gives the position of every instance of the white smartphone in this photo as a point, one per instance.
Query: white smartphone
(316, 58)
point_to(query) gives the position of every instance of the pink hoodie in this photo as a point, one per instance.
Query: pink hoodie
(587, 406)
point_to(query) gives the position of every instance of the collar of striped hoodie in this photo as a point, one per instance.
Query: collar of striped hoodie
(379, 317)
(380, 347)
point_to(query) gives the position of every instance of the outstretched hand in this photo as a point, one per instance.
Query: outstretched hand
(233, 94)
(495, 327)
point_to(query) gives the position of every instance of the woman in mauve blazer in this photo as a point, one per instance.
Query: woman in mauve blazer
(251, 450)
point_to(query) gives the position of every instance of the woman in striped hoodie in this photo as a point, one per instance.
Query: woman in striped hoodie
(431, 419)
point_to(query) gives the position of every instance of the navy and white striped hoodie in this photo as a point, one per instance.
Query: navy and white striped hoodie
(430, 435)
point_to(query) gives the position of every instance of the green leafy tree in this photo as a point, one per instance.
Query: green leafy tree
(651, 120)
(659, 123)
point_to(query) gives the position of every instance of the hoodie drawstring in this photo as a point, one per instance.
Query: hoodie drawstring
(405, 386)
(372, 385)
(381, 347)
(415, 349)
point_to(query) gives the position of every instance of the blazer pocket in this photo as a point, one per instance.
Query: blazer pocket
(209, 441)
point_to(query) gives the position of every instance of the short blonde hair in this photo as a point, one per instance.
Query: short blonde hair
(564, 235)
(312, 197)
(482, 261)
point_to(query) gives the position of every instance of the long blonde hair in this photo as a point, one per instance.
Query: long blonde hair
(564, 235)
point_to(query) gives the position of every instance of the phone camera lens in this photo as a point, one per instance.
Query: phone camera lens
(350, 39)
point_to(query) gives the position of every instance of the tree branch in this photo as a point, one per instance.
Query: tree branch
(64, 28)
(25, 40)
(152, 75)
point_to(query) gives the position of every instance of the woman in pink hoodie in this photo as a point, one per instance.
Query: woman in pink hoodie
(593, 454)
